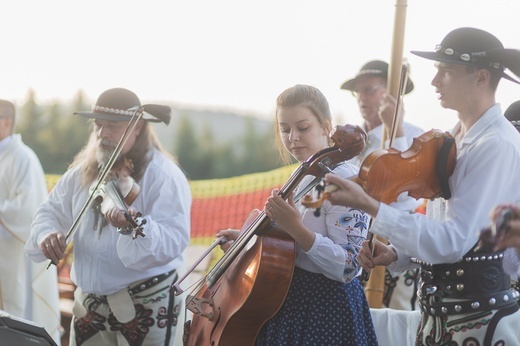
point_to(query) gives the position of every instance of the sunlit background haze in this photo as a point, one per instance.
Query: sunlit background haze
(232, 54)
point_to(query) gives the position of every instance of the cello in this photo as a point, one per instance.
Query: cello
(249, 283)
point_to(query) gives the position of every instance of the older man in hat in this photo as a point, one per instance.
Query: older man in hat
(465, 295)
(377, 108)
(125, 257)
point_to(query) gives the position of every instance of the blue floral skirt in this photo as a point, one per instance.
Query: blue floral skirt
(320, 311)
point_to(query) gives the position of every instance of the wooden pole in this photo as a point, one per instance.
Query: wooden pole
(374, 288)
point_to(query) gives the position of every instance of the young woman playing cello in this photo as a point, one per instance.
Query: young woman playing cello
(325, 304)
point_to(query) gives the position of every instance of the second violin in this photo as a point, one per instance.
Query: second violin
(422, 171)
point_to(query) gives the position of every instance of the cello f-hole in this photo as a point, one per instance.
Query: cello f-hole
(215, 326)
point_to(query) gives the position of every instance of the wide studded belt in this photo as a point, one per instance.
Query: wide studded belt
(471, 277)
(477, 282)
(139, 287)
(496, 301)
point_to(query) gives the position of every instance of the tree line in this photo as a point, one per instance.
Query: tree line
(56, 136)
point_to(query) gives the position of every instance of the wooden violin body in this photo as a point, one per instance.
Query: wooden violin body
(124, 188)
(422, 170)
(119, 190)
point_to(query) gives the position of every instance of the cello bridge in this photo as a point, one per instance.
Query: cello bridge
(195, 305)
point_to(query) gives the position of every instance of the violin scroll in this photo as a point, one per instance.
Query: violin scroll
(323, 194)
(136, 225)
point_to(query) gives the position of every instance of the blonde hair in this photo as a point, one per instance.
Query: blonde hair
(306, 96)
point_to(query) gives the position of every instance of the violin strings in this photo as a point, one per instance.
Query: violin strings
(116, 195)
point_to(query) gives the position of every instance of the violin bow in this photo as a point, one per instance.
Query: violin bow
(405, 70)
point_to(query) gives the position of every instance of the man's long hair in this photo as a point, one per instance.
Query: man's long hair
(139, 154)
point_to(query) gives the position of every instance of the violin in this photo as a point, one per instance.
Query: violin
(120, 190)
(422, 171)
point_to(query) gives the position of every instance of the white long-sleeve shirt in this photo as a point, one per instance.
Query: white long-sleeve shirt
(106, 262)
(488, 157)
(339, 232)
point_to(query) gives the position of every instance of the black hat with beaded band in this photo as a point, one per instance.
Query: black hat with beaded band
(120, 104)
(476, 47)
(376, 68)
(512, 114)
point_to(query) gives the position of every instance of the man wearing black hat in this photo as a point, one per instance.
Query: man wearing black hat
(125, 258)
(465, 295)
(377, 108)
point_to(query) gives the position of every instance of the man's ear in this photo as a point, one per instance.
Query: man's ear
(483, 76)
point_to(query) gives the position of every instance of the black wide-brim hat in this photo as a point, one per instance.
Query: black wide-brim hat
(376, 68)
(120, 104)
(469, 46)
(512, 112)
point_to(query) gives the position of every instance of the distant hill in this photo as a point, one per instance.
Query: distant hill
(225, 126)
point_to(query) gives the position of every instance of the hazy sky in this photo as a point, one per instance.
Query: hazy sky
(232, 54)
